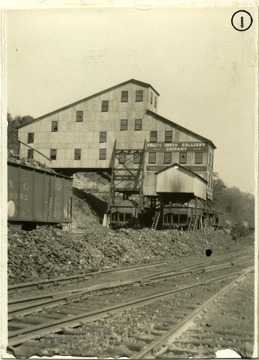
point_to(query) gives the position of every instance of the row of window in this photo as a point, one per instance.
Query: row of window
(136, 158)
(77, 154)
(123, 127)
(182, 157)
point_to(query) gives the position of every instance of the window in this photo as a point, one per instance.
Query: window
(30, 138)
(77, 154)
(79, 116)
(198, 157)
(155, 102)
(124, 96)
(139, 95)
(168, 136)
(183, 158)
(30, 154)
(138, 124)
(124, 124)
(54, 126)
(137, 157)
(102, 154)
(183, 219)
(153, 136)
(167, 157)
(53, 154)
(152, 158)
(122, 157)
(105, 106)
(151, 98)
(102, 136)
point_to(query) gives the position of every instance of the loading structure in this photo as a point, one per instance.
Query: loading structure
(161, 173)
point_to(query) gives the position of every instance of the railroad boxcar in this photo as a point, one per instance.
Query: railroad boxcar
(38, 196)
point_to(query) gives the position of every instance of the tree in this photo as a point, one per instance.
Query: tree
(237, 206)
(12, 132)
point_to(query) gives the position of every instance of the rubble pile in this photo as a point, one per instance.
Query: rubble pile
(47, 252)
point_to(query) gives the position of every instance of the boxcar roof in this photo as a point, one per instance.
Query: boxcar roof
(179, 127)
(39, 169)
(133, 81)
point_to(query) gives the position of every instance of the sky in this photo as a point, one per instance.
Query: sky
(204, 69)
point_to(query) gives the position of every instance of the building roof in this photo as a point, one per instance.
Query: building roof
(184, 169)
(179, 127)
(133, 81)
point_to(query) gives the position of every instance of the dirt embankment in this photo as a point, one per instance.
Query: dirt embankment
(47, 252)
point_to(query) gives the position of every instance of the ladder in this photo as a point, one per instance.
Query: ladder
(193, 222)
(155, 220)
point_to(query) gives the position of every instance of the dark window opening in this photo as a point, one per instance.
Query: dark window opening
(124, 124)
(128, 217)
(167, 218)
(124, 96)
(139, 95)
(168, 136)
(175, 218)
(138, 124)
(151, 98)
(53, 154)
(30, 154)
(102, 154)
(155, 102)
(79, 116)
(105, 106)
(183, 158)
(183, 219)
(198, 157)
(54, 126)
(102, 136)
(152, 158)
(153, 136)
(30, 138)
(122, 157)
(77, 154)
(167, 157)
(137, 158)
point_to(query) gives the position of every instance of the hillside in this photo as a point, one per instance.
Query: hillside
(238, 207)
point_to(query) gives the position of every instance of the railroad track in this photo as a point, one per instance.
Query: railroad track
(27, 305)
(73, 314)
(64, 280)
(176, 339)
(17, 289)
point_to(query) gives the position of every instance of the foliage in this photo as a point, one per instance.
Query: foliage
(237, 206)
(12, 131)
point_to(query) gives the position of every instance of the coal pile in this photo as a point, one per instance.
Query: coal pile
(47, 252)
(12, 157)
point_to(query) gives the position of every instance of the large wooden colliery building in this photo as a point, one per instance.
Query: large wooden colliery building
(160, 172)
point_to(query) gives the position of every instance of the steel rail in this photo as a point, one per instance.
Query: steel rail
(18, 337)
(28, 305)
(54, 281)
(160, 346)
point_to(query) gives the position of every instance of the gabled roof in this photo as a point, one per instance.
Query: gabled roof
(179, 127)
(176, 165)
(132, 81)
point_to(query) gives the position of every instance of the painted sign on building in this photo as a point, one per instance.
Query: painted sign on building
(160, 167)
(177, 146)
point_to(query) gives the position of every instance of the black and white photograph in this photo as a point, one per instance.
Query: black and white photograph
(129, 180)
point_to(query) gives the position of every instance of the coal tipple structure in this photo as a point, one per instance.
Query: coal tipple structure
(160, 172)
